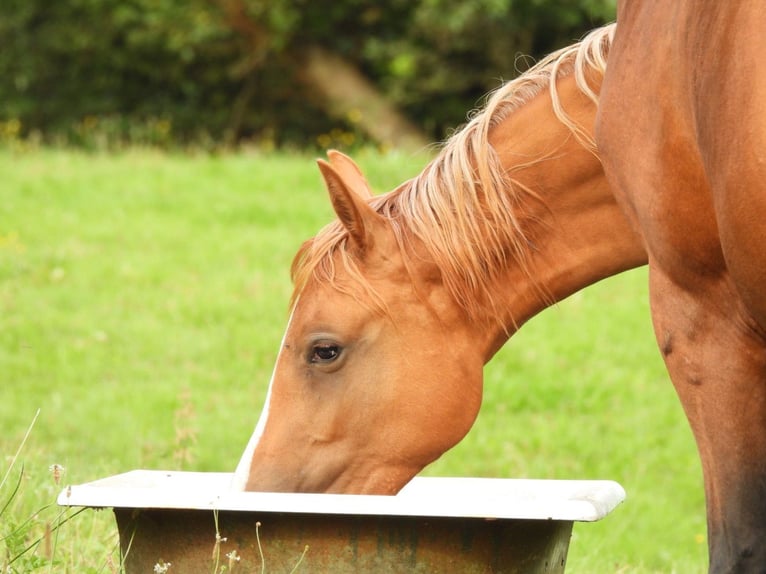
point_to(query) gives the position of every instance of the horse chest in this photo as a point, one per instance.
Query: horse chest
(646, 137)
(661, 186)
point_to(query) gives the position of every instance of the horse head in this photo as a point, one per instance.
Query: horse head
(379, 372)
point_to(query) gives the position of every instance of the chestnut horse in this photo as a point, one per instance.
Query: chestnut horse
(400, 302)
(682, 134)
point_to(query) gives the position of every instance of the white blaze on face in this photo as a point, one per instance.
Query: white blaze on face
(243, 468)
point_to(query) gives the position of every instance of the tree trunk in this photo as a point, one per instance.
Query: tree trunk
(347, 93)
(343, 90)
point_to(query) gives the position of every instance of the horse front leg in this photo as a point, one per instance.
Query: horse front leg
(716, 358)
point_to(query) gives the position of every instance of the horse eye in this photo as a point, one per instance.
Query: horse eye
(324, 353)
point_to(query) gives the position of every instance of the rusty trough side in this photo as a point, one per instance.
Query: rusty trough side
(340, 544)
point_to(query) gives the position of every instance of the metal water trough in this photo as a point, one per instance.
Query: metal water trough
(434, 525)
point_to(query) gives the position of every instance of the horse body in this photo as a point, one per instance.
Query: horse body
(682, 134)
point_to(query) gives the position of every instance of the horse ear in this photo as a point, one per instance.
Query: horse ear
(354, 212)
(350, 173)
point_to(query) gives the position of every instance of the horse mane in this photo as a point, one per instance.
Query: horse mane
(464, 207)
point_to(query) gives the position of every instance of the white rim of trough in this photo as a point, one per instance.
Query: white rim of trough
(438, 497)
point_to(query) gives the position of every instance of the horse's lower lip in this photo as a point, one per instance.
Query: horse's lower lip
(280, 478)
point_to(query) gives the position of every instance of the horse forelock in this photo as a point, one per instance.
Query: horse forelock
(464, 207)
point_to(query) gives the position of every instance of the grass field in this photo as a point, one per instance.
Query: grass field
(142, 300)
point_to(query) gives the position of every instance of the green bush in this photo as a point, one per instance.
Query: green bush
(160, 72)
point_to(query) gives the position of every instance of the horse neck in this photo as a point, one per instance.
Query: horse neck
(576, 232)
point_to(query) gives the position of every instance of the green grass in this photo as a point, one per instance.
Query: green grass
(142, 301)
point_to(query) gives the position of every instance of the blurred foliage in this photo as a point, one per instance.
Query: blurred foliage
(98, 72)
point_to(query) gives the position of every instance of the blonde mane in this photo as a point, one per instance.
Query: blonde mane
(464, 207)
